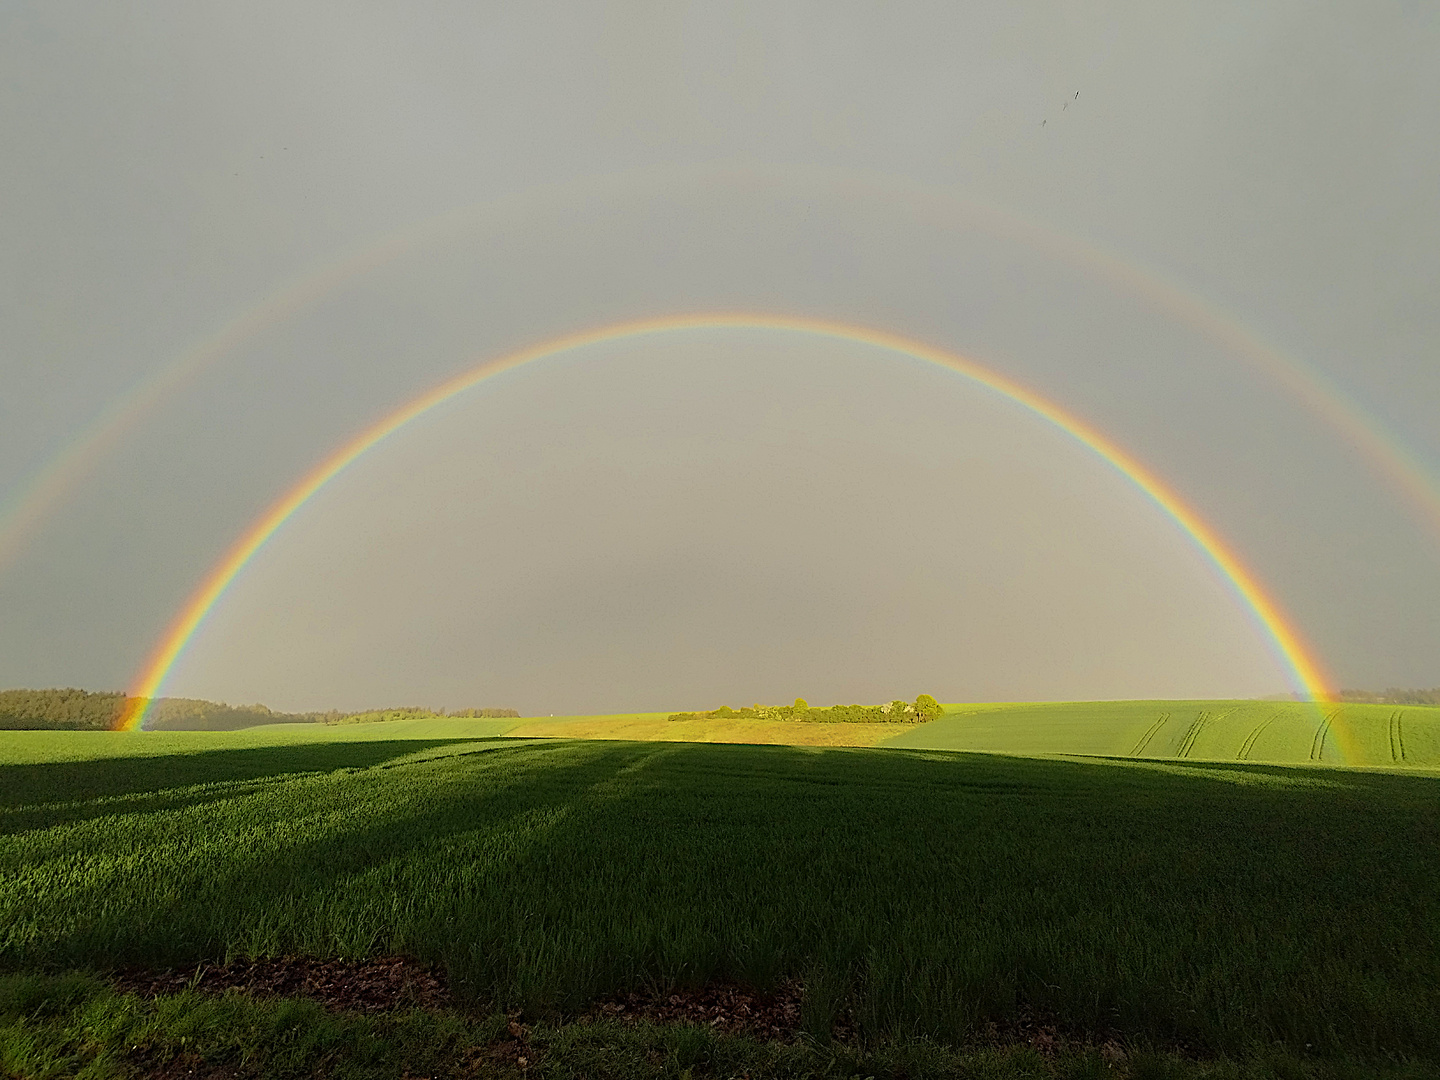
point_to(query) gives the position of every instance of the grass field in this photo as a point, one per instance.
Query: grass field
(1225, 908)
(1383, 736)
(1265, 731)
(655, 727)
(53, 747)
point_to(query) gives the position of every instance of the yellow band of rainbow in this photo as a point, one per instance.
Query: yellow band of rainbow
(1305, 671)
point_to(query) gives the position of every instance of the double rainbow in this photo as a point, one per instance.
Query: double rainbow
(1305, 672)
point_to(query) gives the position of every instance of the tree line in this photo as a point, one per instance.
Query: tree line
(70, 709)
(412, 712)
(1392, 696)
(893, 712)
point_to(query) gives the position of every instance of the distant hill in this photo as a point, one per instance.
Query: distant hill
(87, 710)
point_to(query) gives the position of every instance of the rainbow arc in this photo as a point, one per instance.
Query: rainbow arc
(1304, 670)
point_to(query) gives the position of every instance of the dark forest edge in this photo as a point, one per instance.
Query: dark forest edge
(87, 710)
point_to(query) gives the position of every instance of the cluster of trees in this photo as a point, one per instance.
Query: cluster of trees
(1392, 696)
(414, 712)
(195, 714)
(59, 710)
(894, 712)
(87, 710)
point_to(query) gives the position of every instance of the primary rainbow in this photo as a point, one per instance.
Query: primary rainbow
(1306, 672)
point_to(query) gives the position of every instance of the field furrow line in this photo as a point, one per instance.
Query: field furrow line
(1395, 754)
(1249, 744)
(1400, 732)
(1150, 733)
(1187, 742)
(1317, 744)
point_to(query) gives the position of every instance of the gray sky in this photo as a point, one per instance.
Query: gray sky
(720, 516)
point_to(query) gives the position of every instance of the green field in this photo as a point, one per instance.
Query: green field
(51, 747)
(1209, 908)
(1387, 736)
(658, 727)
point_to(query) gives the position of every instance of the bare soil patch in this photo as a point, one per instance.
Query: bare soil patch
(395, 982)
(1048, 1035)
(370, 986)
(187, 1066)
(725, 1008)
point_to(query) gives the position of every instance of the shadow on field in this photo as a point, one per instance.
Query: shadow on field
(78, 781)
(1214, 906)
(1249, 773)
(258, 899)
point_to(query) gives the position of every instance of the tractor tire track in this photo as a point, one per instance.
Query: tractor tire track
(1150, 733)
(1187, 741)
(1317, 744)
(1248, 746)
(1397, 738)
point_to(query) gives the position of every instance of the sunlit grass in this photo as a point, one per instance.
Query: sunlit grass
(657, 728)
(1384, 736)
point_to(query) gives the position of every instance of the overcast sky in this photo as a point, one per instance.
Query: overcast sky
(385, 195)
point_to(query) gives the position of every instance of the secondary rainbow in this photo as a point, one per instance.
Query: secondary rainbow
(1305, 671)
(39, 496)
(36, 498)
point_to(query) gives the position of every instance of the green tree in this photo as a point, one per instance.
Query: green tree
(927, 708)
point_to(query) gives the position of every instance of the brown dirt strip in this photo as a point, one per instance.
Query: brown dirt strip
(379, 985)
(729, 1009)
(396, 982)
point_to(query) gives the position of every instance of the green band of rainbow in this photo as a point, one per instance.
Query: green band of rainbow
(1306, 673)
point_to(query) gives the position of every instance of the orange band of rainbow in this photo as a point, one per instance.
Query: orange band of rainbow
(1307, 674)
